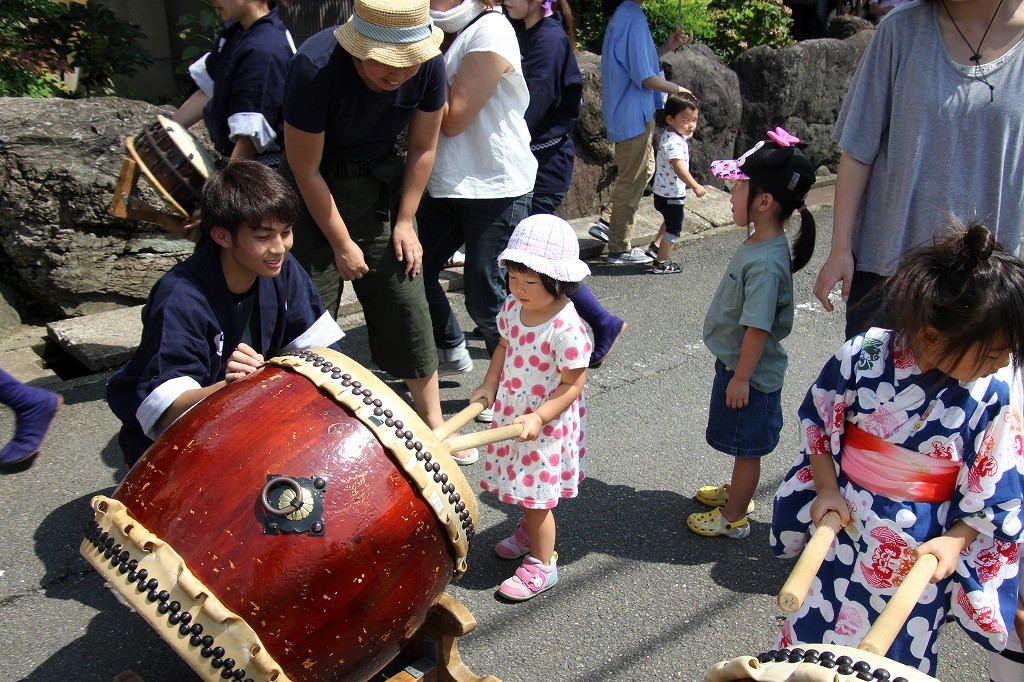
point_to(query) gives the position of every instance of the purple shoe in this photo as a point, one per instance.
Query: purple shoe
(605, 339)
(33, 421)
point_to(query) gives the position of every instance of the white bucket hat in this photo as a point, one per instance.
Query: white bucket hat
(548, 245)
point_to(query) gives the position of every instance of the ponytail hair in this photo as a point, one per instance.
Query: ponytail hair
(568, 24)
(966, 288)
(803, 246)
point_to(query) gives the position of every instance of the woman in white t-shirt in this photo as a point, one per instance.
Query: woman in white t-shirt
(483, 175)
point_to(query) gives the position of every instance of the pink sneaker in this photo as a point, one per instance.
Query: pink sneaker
(530, 579)
(515, 545)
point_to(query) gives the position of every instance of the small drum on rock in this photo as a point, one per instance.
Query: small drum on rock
(295, 525)
(173, 162)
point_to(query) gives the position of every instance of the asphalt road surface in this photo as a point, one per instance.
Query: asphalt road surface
(639, 596)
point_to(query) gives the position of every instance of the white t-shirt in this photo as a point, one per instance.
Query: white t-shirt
(666, 182)
(491, 158)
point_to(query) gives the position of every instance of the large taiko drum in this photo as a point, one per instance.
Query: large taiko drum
(296, 525)
(815, 663)
(173, 161)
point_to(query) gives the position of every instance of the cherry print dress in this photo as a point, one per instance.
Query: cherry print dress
(537, 473)
(875, 384)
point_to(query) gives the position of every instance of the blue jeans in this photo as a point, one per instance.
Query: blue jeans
(484, 226)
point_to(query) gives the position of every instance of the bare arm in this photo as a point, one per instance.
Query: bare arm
(737, 393)
(423, 131)
(684, 174)
(826, 485)
(573, 381)
(489, 387)
(661, 85)
(851, 181)
(244, 149)
(473, 85)
(244, 361)
(947, 548)
(304, 151)
(191, 110)
(679, 37)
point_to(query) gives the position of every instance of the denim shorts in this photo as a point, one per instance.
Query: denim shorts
(672, 210)
(751, 431)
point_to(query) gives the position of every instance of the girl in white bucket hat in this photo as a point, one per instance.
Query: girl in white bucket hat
(536, 378)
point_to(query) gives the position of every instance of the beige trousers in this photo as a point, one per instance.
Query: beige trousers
(635, 161)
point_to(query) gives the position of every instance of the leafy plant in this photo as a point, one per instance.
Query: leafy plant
(199, 30)
(102, 45)
(42, 39)
(742, 24)
(30, 49)
(726, 26)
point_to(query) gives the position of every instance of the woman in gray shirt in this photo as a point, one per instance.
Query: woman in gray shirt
(932, 126)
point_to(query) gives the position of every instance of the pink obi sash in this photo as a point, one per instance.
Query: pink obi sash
(899, 474)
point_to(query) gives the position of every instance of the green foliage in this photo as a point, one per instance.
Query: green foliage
(743, 24)
(199, 30)
(41, 39)
(102, 46)
(30, 51)
(726, 26)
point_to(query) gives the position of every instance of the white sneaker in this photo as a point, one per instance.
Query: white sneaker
(634, 256)
(453, 361)
(486, 415)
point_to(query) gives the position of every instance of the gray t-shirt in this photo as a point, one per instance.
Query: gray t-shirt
(937, 140)
(756, 291)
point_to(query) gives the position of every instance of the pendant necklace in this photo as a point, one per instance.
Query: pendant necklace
(976, 52)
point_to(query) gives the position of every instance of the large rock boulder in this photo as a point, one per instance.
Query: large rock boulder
(800, 87)
(59, 249)
(694, 67)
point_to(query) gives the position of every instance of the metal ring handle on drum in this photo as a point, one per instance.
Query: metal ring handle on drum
(296, 502)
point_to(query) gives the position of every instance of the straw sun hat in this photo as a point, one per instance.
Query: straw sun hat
(398, 33)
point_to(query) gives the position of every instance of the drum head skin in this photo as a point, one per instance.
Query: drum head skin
(173, 161)
(814, 663)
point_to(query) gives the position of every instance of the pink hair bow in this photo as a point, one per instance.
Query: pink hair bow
(783, 138)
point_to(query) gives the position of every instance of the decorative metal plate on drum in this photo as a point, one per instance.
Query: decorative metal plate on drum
(293, 505)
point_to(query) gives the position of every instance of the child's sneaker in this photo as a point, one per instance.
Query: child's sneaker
(515, 545)
(667, 268)
(530, 579)
(712, 523)
(652, 251)
(486, 415)
(599, 230)
(718, 496)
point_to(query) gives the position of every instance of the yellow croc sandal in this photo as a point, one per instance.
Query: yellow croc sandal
(712, 523)
(717, 496)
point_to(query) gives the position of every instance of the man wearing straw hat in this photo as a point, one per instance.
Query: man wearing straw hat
(351, 92)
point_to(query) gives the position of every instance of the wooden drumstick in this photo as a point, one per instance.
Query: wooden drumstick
(485, 437)
(793, 592)
(881, 635)
(460, 419)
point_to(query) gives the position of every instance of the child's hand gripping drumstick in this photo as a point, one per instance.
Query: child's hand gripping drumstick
(473, 440)
(794, 591)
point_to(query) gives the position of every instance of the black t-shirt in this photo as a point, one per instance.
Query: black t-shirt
(324, 94)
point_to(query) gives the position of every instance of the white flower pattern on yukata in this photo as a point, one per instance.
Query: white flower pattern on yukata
(536, 474)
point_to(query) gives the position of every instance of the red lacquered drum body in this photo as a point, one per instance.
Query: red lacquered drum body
(335, 601)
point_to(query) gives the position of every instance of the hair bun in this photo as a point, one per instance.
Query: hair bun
(979, 242)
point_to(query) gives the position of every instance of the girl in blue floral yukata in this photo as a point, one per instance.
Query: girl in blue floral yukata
(913, 435)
